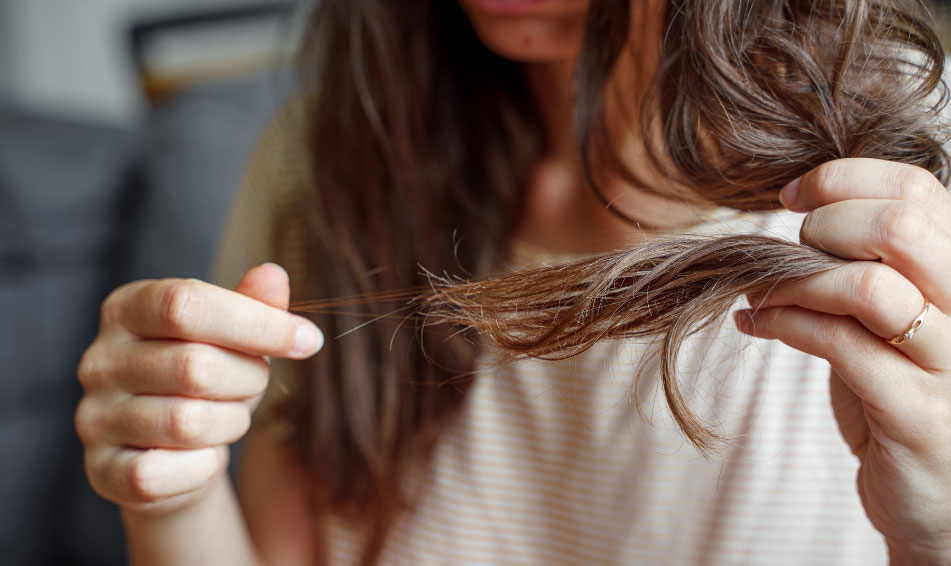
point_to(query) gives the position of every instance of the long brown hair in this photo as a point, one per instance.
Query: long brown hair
(422, 142)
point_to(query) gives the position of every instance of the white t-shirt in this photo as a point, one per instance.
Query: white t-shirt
(552, 463)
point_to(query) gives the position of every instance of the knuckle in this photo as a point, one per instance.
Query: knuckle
(178, 304)
(903, 224)
(91, 369)
(194, 368)
(113, 307)
(189, 421)
(141, 478)
(110, 312)
(87, 420)
(823, 179)
(872, 285)
(917, 184)
(840, 335)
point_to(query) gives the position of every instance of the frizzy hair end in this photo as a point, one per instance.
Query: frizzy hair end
(670, 287)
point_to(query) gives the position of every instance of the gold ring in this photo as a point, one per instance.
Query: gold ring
(915, 325)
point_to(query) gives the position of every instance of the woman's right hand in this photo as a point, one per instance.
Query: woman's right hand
(172, 378)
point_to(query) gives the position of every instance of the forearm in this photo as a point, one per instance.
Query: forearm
(210, 531)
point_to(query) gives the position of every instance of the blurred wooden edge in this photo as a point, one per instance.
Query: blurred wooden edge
(159, 87)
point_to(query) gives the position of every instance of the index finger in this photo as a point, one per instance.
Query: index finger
(863, 178)
(192, 310)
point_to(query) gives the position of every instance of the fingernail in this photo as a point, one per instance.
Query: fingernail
(308, 340)
(788, 195)
(281, 268)
(743, 320)
(755, 299)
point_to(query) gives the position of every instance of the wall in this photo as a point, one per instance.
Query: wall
(71, 57)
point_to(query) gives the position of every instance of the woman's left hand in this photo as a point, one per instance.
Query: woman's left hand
(892, 402)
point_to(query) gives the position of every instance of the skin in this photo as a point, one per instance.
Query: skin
(171, 380)
(547, 39)
(178, 366)
(892, 402)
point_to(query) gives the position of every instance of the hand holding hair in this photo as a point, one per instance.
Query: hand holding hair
(172, 378)
(892, 401)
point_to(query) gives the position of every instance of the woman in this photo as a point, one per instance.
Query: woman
(440, 137)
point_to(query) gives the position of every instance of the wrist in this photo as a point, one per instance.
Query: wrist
(208, 528)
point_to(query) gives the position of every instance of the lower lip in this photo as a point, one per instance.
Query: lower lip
(511, 7)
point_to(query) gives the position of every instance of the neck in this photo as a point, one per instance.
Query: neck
(551, 85)
(562, 212)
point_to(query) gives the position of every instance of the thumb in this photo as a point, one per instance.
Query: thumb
(267, 283)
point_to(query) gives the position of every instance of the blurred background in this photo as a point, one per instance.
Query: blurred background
(124, 129)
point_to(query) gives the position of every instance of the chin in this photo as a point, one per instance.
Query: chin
(529, 31)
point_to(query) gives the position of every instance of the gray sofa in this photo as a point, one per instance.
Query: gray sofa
(83, 209)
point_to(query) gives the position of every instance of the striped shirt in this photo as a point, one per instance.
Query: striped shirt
(579, 462)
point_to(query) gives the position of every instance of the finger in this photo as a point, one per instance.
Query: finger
(191, 369)
(151, 421)
(133, 476)
(267, 283)
(903, 235)
(862, 178)
(200, 312)
(847, 407)
(174, 367)
(879, 374)
(880, 298)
